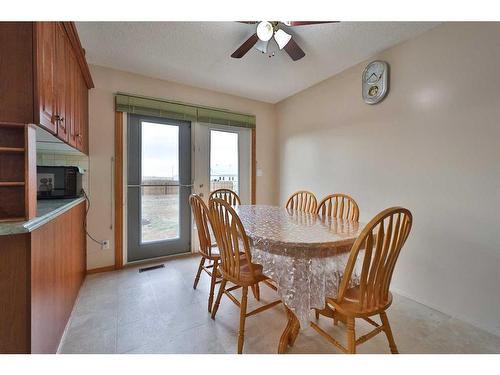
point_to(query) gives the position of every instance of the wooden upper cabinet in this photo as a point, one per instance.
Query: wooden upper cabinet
(44, 79)
(45, 85)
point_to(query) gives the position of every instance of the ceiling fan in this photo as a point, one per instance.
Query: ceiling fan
(266, 31)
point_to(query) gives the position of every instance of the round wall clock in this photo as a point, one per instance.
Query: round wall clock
(375, 81)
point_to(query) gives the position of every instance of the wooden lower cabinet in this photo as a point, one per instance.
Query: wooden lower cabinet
(41, 275)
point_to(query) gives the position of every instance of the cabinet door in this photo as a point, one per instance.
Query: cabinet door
(62, 93)
(72, 88)
(83, 135)
(45, 34)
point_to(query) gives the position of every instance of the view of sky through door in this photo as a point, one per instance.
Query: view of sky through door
(159, 167)
(224, 170)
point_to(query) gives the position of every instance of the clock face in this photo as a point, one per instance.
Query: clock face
(374, 72)
(374, 82)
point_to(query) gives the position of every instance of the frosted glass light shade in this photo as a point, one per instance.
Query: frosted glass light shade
(282, 38)
(265, 31)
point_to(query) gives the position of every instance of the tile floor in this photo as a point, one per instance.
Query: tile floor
(159, 312)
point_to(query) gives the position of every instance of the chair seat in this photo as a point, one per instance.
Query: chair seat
(246, 272)
(350, 306)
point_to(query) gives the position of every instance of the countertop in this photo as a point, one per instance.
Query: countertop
(47, 210)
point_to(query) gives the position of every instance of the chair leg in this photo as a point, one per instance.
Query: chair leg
(215, 307)
(243, 314)
(351, 336)
(212, 286)
(388, 333)
(256, 291)
(197, 278)
(316, 313)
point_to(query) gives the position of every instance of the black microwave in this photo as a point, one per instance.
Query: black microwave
(59, 182)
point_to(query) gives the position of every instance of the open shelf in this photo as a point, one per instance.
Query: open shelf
(12, 219)
(12, 149)
(17, 172)
(10, 183)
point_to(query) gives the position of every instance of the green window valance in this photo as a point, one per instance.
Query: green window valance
(180, 111)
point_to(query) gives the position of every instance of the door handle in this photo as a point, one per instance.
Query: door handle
(160, 185)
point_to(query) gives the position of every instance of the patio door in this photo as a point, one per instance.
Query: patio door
(158, 187)
(222, 160)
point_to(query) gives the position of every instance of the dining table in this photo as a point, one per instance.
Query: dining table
(304, 254)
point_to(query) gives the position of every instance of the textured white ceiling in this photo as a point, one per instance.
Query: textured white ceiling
(198, 53)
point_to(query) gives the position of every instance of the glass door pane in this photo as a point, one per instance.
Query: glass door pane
(159, 168)
(159, 184)
(224, 161)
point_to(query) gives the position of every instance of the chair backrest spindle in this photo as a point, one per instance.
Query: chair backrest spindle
(227, 195)
(340, 206)
(302, 201)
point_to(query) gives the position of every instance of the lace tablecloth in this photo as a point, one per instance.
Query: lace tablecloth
(305, 254)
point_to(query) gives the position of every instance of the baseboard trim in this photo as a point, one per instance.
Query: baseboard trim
(158, 259)
(100, 269)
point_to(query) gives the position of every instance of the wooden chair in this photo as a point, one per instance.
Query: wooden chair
(236, 262)
(382, 240)
(302, 201)
(208, 250)
(234, 200)
(340, 206)
(226, 195)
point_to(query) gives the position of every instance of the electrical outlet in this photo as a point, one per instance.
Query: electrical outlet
(105, 245)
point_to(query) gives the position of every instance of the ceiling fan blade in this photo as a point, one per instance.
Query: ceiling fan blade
(245, 47)
(249, 22)
(294, 50)
(305, 23)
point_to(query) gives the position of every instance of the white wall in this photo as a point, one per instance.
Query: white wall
(431, 146)
(101, 117)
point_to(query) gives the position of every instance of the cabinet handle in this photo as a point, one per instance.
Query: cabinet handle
(60, 121)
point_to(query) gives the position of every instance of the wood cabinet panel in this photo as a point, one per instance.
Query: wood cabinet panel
(44, 330)
(72, 82)
(16, 72)
(40, 276)
(58, 264)
(62, 93)
(45, 88)
(15, 319)
(83, 115)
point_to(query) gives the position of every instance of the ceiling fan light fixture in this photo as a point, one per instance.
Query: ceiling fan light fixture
(265, 30)
(282, 38)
